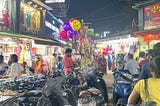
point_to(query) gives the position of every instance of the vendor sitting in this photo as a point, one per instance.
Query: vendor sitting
(15, 68)
(3, 66)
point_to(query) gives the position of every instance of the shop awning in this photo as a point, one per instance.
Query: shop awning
(153, 31)
(37, 40)
(46, 42)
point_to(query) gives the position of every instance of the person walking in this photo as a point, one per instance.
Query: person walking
(121, 62)
(53, 61)
(153, 85)
(145, 71)
(59, 64)
(142, 59)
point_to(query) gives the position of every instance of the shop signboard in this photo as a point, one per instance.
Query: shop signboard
(31, 20)
(52, 26)
(90, 31)
(150, 37)
(152, 16)
(8, 16)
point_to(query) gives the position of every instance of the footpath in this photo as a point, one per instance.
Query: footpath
(109, 82)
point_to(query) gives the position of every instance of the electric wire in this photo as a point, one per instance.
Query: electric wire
(104, 18)
(98, 10)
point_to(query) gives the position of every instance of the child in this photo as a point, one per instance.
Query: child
(59, 64)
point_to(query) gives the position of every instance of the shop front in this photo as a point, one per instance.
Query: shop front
(32, 19)
(14, 45)
(150, 34)
(26, 29)
(121, 44)
(9, 16)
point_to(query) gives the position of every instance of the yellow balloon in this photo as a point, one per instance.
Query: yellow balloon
(76, 25)
(100, 48)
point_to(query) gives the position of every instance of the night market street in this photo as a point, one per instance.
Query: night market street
(109, 81)
(64, 52)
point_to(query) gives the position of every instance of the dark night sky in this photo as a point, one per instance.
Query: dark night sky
(105, 15)
(112, 15)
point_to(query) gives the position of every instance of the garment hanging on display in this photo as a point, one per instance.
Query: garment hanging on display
(28, 19)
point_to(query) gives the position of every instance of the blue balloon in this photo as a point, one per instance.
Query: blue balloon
(72, 34)
(66, 26)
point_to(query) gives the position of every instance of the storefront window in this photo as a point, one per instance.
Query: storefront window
(9, 17)
(31, 16)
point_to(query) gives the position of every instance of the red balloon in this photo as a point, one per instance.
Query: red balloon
(63, 35)
(71, 20)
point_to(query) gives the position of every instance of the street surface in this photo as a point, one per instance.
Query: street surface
(109, 81)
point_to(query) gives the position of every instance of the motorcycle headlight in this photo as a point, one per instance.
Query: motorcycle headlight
(64, 94)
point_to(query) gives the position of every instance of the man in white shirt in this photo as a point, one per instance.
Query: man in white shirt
(132, 65)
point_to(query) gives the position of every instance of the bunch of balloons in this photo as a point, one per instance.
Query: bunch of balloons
(70, 29)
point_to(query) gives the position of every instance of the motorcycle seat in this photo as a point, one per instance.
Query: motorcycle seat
(34, 93)
(89, 92)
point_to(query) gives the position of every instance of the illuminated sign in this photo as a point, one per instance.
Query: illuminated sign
(54, 1)
(90, 31)
(52, 26)
(150, 37)
(49, 25)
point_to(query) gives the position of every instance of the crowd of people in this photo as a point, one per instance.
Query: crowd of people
(147, 66)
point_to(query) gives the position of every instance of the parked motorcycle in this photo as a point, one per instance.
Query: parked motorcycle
(57, 72)
(56, 92)
(123, 86)
(69, 90)
(28, 87)
(62, 90)
(96, 93)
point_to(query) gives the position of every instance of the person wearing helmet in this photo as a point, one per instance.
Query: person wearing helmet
(67, 61)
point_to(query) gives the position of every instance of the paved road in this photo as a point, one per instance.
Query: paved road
(109, 81)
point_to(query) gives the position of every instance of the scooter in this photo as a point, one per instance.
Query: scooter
(62, 90)
(96, 93)
(123, 86)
